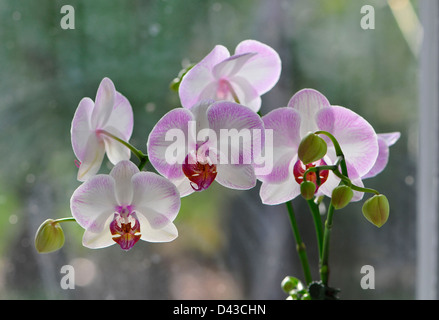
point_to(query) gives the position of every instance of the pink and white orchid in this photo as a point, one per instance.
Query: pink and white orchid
(110, 113)
(365, 152)
(195, 147)
(125, 206)
(253, 70)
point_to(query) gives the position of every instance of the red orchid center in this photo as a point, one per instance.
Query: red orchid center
(200, 171)
(125, 227)
(299, 169)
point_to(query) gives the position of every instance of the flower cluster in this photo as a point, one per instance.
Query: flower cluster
(309, 147)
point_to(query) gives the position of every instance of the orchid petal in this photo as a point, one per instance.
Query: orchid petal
(93, 202)
(280, 192)
(80, 130)
(98, 240)
(263, 68)
(122, 174)
(92, 158)
(121, 117)
(385, 140)
(164, 234)
(104, 102)
(115, 150)
(240, 177)
(237, 121)
(158, 145)
(246, 93)
(230, 66)
(285, 124)
(355, 135)
(308, 102)
(183, 185)
(197, 78)
(156, 198)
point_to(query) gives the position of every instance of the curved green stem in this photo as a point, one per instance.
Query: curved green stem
(324, 266)
(65, 219)
(139, 154)
(338, 151)
(346, 180)
(317, 224)
(300, 246)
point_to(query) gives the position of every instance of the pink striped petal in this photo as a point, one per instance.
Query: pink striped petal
(156, 198)
(81, 130)
(115, 150)
(93, 202)
(122, 173)
(104, 103)
(355, 135)
(200, 76)
(285, 124)
(168, 142)
(92, 158)
(233, 123)
(121, 117)
(385, 140)
(308, 102)
(262, 70)
(239, 177)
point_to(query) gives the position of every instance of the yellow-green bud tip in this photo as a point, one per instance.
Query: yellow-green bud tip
(49, 237)
(341, 196)
(311, 148)
(376, 210)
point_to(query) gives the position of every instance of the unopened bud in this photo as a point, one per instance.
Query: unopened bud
(307, 189)
(312, 148)
(376, 210)
(341, 196)
(49, 237)
(291, 283)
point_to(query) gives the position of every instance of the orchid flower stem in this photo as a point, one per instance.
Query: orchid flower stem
(139, 154)
(317, 224)
(300, 246)
(324, 267)
(65, 219)
(346, 180)
(338, 151)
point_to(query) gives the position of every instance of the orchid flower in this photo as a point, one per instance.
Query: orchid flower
(92, 127)
(365, 152)
(191, 147)
(253, 70)
(125, 206)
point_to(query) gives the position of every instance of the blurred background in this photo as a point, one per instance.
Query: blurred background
(230, 246)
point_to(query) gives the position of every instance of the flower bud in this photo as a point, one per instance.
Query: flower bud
(341, 196)
(291, 283)
(376, 210)
(49, 237)
(311, 148)
(307, 189)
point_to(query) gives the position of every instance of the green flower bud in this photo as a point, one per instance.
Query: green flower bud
(49, 237)
(341, 196)
(307, 189)
(311, 148)
(376, 210)
(291, 283)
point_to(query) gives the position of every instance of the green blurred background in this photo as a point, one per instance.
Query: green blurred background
(230, 245)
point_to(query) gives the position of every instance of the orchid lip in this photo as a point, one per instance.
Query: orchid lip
(200, 171)
(299, 170)
(125, 227)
